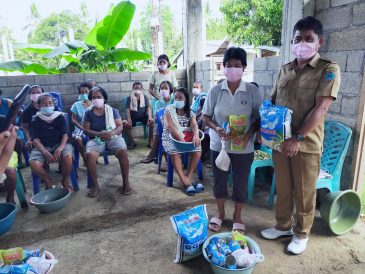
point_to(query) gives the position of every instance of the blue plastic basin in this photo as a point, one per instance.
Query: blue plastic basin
(186, 146)
(51, 200)
(7, 217)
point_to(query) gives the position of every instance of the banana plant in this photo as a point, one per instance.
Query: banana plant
(99, 52)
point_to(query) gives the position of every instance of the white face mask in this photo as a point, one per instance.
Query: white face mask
(162, 67)
(34, 97)
(196, 91)
(137, 92)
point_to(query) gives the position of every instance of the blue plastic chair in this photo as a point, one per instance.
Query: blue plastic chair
(138, 124)
(57, 100)
(336, 142)
(77, 155)
(251, 177)
(170, 167)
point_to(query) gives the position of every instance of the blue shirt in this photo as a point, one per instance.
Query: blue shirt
(79, 110)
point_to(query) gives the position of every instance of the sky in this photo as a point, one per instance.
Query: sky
(14, 13)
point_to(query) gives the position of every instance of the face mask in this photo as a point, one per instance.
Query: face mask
(304, 50)
(34, 97)
(83, 97)
(137, 92)
(196, 91)
(165, 93)
(47, 110)
(233, 74)
(98, 102)
(162, 67)
(179, 104)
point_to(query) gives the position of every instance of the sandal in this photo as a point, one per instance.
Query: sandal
(239, 227)
(215, 224)
(147, 160)
(199, 187)
(190, 190)
(128, 192)
(93, 193)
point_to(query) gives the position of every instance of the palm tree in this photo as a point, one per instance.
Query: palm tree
(34, 20)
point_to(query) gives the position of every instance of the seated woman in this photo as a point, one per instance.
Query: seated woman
(103, 125)
(177, 117)
(49, 134)
(8, 182)
(78, 110)
(138, 110)
(165, 90)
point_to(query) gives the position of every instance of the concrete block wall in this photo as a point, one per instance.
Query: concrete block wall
(204, 73)
(344, 31)
(117, 84)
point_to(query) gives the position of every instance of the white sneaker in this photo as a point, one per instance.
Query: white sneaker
(273, 233)
(297, 245)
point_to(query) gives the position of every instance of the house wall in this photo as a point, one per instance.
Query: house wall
(117, 85)
(344, 31)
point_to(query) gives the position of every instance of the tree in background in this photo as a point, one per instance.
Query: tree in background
(215, 27)
(55, 28)
(255, 22)
(34, 19)
(172, 37)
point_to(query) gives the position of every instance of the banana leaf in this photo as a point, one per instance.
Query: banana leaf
(115, 25)
(68, 47)
(36, 48)
(118, 55)
(26, 67)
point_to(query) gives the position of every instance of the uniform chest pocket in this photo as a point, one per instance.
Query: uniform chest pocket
(308, 84)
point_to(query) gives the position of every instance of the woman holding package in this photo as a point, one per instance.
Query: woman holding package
(238, 101)
(177, 118)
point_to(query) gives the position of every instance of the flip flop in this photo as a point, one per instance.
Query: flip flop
(92, 194)
(239, 227)
(215, 224)
(199, 187)
(190, 190)
(163, 169)
(146, 160)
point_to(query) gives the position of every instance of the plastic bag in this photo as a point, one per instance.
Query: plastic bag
(191, 228)
(237, 125)
(245, 259)
(41, 264)
(223, 161)
(275, 124)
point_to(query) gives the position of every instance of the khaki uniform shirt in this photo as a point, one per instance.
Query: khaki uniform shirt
(297, 90)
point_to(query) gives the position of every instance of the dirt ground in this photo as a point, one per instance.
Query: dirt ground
(133, 234)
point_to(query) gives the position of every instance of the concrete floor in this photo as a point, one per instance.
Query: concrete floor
(133, 234)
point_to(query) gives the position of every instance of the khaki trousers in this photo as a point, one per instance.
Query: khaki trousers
(296, 185)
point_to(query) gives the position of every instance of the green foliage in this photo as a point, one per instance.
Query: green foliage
(53, 29)
(256, 22)
(97, 53)
(216, 29)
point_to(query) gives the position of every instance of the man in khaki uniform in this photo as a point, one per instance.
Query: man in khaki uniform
(308, 85)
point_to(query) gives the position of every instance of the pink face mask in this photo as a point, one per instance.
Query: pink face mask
(162, 67)
(304, 50)
(165, 93)
(233, 74)
(98, 102)
(34, 97)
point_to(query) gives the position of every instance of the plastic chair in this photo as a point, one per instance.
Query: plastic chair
(73, 177)
(138, 124)
(57, 100)
(336, 142)
(20, 189)
(77, 155)
(185, 156)
(251, 177)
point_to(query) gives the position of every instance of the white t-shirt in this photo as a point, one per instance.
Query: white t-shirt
(157, 78)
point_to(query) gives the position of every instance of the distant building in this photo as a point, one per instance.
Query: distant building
(214, 50)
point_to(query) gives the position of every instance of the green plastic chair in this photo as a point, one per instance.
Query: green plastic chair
(251, 177)
(336, 142)
(138, 124)
(20, 189)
